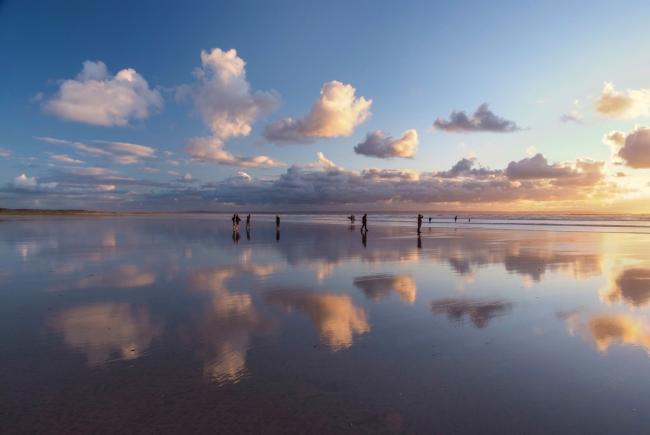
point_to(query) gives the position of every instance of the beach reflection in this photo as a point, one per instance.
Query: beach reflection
(173, 309)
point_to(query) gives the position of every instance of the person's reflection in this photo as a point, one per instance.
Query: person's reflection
(351, 227)
(235, 235)
(277, 234)
(248, 233)
(364, 239)
(419, 242)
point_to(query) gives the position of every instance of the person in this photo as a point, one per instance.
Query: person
(429, 219)
(234, 220)
(351, 218)
(364, 222)
(469, 219)
(420, 217)
(248, 221)
(455, 218)
(277, 221)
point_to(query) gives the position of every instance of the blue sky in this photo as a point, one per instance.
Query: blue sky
(531, 62)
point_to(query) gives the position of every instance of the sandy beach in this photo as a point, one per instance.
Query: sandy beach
(176, 324)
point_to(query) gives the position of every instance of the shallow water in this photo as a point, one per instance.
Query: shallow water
(171, 324)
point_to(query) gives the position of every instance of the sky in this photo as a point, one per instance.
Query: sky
(338, 105)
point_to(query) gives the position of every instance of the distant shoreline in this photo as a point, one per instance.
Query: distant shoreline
(46, 212)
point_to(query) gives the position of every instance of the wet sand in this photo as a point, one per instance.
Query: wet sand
(174, 324)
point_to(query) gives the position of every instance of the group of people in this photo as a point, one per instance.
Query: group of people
(236, 220)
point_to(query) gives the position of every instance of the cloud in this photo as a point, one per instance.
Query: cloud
(23, 182)
(574, 116)
(537, 167)
(96, 97)
(465, 168)
(377, 144)
(64, 158)
(124, 153)
(632, 148)
(224, 100)
(5, 152)
(482, 120)
(332, 185)
(629, 104)
(211, 149)
(336, 112)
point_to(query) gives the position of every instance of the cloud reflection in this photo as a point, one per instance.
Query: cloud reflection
(479, 312)
(106, 330)
(335, 316)
(632, 286)
(377, 287)
(606, 330)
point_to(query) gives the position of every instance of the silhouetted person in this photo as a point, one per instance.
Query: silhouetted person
(429, 219)
(234, 221)
(364, 239)
(277, 221)
(364, 223)
(420, 217)
(469, 219)
(248, 222)
(352, 218)
(455, 219)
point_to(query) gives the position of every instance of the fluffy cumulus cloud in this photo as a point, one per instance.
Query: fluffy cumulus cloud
(97, 97)
(483, 119)
(377, 144)
(629, 104)
(464, 183)
(223, 98)
(633, 149)
(336, 113)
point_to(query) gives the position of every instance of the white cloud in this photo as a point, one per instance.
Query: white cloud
(228, 107)
(5, 152)
(629, 104)
(96, 97)
(336, 112)
(377, 144)
(64, 158)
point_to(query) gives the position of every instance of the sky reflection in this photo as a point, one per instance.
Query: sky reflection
(175, 297)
